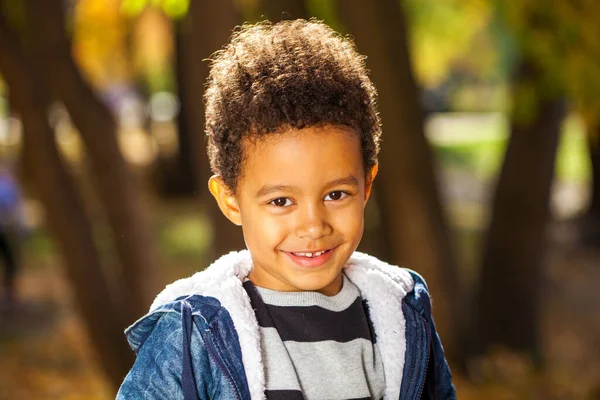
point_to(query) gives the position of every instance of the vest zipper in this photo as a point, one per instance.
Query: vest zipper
(428, 351)
(211, 347)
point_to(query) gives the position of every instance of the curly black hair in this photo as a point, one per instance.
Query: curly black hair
(290, 75)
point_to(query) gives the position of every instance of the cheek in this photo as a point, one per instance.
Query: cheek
(350, 220)
(263, 229)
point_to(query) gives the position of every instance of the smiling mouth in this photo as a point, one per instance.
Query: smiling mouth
(310, 254)
(314, 259)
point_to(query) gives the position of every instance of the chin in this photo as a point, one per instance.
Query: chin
(315, 284)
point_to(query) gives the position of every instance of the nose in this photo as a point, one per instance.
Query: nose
(313, 222)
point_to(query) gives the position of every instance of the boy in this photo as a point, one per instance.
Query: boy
(293, 136)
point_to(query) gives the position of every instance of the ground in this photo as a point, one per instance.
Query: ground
(45, 353)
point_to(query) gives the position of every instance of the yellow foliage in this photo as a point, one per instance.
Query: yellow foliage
(562, 39)
(114, 40)
(444, 32)
(99, 41)
(173, 8)
(133, 7)
(153, 39)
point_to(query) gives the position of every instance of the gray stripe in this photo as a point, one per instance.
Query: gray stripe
(339, 302)
(279, 371)
(326, 369)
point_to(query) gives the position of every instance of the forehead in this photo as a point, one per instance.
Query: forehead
(296, 157)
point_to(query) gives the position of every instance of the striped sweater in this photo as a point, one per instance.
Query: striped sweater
(316, 346)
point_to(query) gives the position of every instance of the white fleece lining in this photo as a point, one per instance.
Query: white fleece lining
(223, 281)
(383, 287)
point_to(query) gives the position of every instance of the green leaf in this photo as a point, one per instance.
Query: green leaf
(133, 8)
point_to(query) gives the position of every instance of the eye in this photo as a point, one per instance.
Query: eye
(335, 195)
(281, 202)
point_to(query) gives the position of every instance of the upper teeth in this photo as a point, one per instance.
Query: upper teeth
(317, 254)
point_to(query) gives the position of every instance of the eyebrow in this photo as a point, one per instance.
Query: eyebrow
(265, 190)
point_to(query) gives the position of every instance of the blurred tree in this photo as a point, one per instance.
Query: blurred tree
(99, 42)
(515, 243)
(594, 146)
(590, 224)
(513, 255)
(444, 34)
(561, 38)
(407, 193)
(277, 10)
(210, 25)
(64, 210)
(201, 28)
(152, 48)
(116, 185)
(181, 175)
(178, 174)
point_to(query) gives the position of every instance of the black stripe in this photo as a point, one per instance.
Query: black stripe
(315, 324)
(284, 395)
(363, 398)
(365, 305)
(257, 303)
(295, 395)
(311, 323)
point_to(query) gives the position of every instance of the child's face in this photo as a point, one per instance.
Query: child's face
(300, 192)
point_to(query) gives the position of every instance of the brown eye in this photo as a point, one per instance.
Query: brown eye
(281, 202)
(336, 195)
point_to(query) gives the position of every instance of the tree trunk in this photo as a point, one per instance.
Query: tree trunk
(279, 10)
(374, 241)
(179, 173)
(411, 214)
(594, 148)
(590, 222)
(116, 185)
(210, 24)
(515, 243)
(65, 213)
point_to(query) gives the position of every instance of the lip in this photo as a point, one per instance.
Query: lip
(313, 262)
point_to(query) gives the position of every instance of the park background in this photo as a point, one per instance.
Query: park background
(489, 181)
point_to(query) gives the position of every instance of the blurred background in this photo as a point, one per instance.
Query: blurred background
(489, 181)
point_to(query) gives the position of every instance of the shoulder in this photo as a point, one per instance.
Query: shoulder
(214, 281)
(214, 292)
(368, 271)
(165, 321)
(365, 270)
(419, 298)
(164, 341)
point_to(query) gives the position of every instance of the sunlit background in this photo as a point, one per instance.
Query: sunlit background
(515, 235)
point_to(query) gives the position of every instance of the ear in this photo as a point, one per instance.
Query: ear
(369, 181)
(225, 199)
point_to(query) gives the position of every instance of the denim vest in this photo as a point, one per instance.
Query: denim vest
(188, 347)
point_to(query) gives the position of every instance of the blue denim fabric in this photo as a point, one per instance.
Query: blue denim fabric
(426, 372)
(176, 358)
(158, 340)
